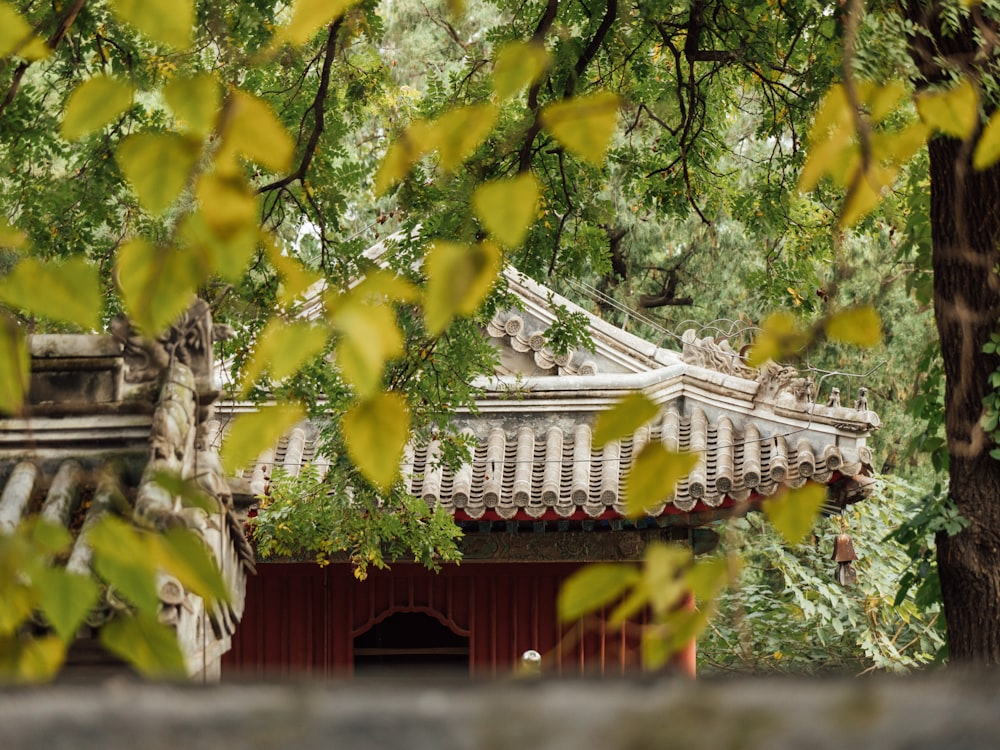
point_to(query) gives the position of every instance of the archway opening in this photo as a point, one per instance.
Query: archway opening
(406, 641)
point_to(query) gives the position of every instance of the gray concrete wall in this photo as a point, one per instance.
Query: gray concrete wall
(929, 711)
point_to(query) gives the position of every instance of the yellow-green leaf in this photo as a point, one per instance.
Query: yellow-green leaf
(881, 99)
(663, 640)
(594, 587)
(15, 365)
(65, 599)
(376, 431)
(987, 151)
(780, 337)
(381, 285)
(145, 643)
(794, 511)
(369, 337)
(226, 255)
(707, 577)
(228, 204)
(253, 432)
(508, 207)
(157, 284)
(898, 147)
(69, 292)
(17, 37)
(48, 537)
(10, 236)
(93, 104)
(308, 17)
(954, 112)
(183, 554)
(195, 101)
(254, 131)
(295, 277)
(664, 570)
(458, 132)
(584, 125)
(860, 326)
(822, 158)
(865, 196)
(283, 348)
(517, 65)
(833, 117)
(654, 474)
(158, 166)
(169, 22)
(29, 661)
(459, 278)
(623, 419)
(405, 151)
(125, 557)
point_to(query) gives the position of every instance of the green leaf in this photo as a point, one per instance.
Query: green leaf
(188, 490)
(183, 554)
(157, 284)
(954, 112)
(517, 65)
(195, 101)
(706, 578)
(308, 17)
(594, 587)
(508, 208)
(369, 337)
(93, 104)
(780, 337)
(252, 432)
(458, 132)
(158, 166)
(145, 643)
(375, 432)
(49, 538)
(793, 512)
(125, 559)
(17, 37)
(15, 365)
(623, 419)
(283, 348)
(987, 151)
(68, 292)
(860, 326)
(584, 125)
(459, 278)
(255, 132)
(18, 604)
(654, 474)
(169, 22)
(65, 599)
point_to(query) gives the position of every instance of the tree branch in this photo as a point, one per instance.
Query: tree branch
(318, 109)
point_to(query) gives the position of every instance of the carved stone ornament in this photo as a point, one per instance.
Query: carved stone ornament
(189, 341)
(777, 380)
(713, 354)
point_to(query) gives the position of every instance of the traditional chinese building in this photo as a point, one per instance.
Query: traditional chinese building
(104, 415)
(537, 501)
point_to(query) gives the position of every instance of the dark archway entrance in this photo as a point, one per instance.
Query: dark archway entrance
(404, 641)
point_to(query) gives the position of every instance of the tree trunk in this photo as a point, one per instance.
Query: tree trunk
(965, 223)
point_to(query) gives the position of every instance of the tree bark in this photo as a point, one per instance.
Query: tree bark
(965, 228)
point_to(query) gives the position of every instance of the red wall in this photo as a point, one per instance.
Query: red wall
(302, 619)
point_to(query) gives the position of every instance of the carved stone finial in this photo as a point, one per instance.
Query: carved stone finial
(188, 341)
(713, 355)
(862, 403)
(834, 399)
